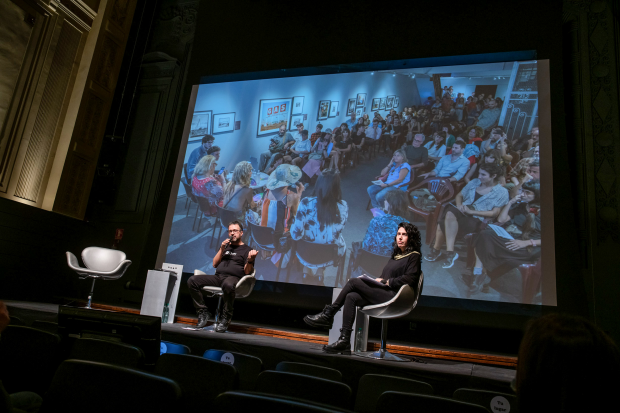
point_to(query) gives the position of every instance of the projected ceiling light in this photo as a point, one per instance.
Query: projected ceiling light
(372, 73)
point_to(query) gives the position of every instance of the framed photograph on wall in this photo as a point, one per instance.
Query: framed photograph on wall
(223, 123)
(389, 104)
(359, 112)
(272, 113)
(298, 105)
(361, 99)
(396, 102)
(375, 104)
(295, 120)
(323, 112)
(333, 110)
(351, 107)
(382, 104)
(201, 125)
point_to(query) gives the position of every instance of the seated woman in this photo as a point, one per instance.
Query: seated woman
(398, 177)
(492, 156)
(341, 149)
(317, 155)
(380, 232)
(518, 176)
(238, 194)
(436, 147)
(521, 219)
(480, 199)
(404, 267)
(206, 184)
(320, 219)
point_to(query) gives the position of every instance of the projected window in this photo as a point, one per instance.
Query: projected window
(322, 169)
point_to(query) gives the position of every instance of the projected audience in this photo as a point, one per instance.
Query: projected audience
(278, 144)
(480, 199)
(417, 154)
(301, 149)
(397, 176)
(489, 116)
(518, 176)
(208, 185)
(198, 153)
(238, 194)
(320, 219)
(491, 156)
(215, 151)
(453, 166)
(380, 233)
(317, 154)
(436, 147)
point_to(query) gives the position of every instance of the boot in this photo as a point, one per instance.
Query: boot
(224, 322)
(342, 345)
(478, 283)
(323, 319)
(203, 318)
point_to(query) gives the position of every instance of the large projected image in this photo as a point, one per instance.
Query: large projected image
(322, 169)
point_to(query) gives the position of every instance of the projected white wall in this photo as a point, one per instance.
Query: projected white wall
(471, 157)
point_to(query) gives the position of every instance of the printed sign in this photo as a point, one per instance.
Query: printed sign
(499, 404)
(228, 358)
(273, 113)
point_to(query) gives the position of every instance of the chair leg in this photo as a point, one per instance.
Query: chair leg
(218, 312)
(382, 353)
(195, 216)
(90, 294)
(217, 221)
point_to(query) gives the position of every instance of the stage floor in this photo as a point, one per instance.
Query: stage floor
(445, 369)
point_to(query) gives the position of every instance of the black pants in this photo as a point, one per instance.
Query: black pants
(358, 293)
(226, 282)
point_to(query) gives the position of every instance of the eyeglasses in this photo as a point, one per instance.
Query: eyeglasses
(232, 231)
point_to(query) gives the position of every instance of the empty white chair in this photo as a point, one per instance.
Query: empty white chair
(101, 263)
(399, 306)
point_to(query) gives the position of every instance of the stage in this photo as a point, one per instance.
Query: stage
(444, 368)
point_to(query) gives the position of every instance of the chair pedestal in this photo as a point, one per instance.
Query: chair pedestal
(90, 294)
(382, 353)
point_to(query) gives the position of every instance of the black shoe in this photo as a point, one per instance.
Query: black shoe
(203, 318)
(342, 345)
(323, 319)
(433, 255)
(224, 323)
(451, 256)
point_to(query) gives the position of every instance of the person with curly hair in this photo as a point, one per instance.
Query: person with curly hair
(403, 268)
(207, 184)
(238, 196)
(518, 176)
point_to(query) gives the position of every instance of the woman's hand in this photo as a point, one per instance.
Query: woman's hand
(384, 185)
(379, 279)
(516, 244)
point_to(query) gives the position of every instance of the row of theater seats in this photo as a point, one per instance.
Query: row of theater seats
(109, 376)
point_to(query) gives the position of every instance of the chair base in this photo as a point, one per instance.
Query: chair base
(380, 355)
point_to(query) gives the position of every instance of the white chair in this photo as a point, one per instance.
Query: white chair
(402, 304)
(101, 263)
(243, 289)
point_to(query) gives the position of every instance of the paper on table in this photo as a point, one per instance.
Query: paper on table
(501, 232)
(378, 182)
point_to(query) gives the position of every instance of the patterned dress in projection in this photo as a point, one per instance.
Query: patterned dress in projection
(308, 228)
(211, 189)
(380, 234)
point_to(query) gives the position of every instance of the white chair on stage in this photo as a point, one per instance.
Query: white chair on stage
(399, 306)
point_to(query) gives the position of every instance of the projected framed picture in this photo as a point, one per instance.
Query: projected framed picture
(272, 113)
(396, 102)
(295, 120)
(201, 125)
(382, 104)
(389, 103)
(361, 99)
(359, 112)
(351, 107)
(223, 123)
(375, 104)
(298, 105)
(323, 109)
(333, 111)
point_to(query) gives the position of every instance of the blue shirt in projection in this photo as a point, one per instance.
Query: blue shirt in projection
(395, 173)
(381, 233)
(193, 160)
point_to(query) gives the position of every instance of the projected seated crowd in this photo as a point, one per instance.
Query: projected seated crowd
(349, 180)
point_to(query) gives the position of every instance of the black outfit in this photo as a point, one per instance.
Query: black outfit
(467, 223)
(227, 275)
(359, 293)
(492, 250)
(416, 155)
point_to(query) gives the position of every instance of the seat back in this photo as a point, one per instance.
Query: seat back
(248, 367)
(245, 285)
(203, 204)
(372, 264)
(226, 216)
(236, 401)
(109, 352)
(80, 385)
(44, 325)
(309, 370)
(316, 254)
(167, 347)
(440, 188)
(493, 401)
(372, 386)
(300, 386)
(395, 402)
(201, 380)
(186, 175)
(263, 236)
(102, 259)
(400, 305)
(188, 189)
(28, 357)
(16, 321)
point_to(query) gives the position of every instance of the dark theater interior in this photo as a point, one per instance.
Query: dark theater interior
(224, 206)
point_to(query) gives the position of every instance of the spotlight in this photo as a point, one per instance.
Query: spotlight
(413, 76)
(372, 73)
(393, 74)
(494, 78)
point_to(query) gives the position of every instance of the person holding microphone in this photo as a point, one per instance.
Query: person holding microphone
(233, 260)
(404, 267)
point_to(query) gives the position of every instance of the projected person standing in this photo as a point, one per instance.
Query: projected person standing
(402, 268)
(233, 260)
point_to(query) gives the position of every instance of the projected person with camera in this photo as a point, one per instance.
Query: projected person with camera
(233, 260)
(404, 267)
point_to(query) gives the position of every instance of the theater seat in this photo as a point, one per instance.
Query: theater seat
(168, 347)
(397, 402)
(248, 367)
(236, 401)
(104, 351)
(309, 370)
(372, 386)
(488, 399)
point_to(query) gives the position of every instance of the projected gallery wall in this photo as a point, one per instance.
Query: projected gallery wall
(244, 116)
